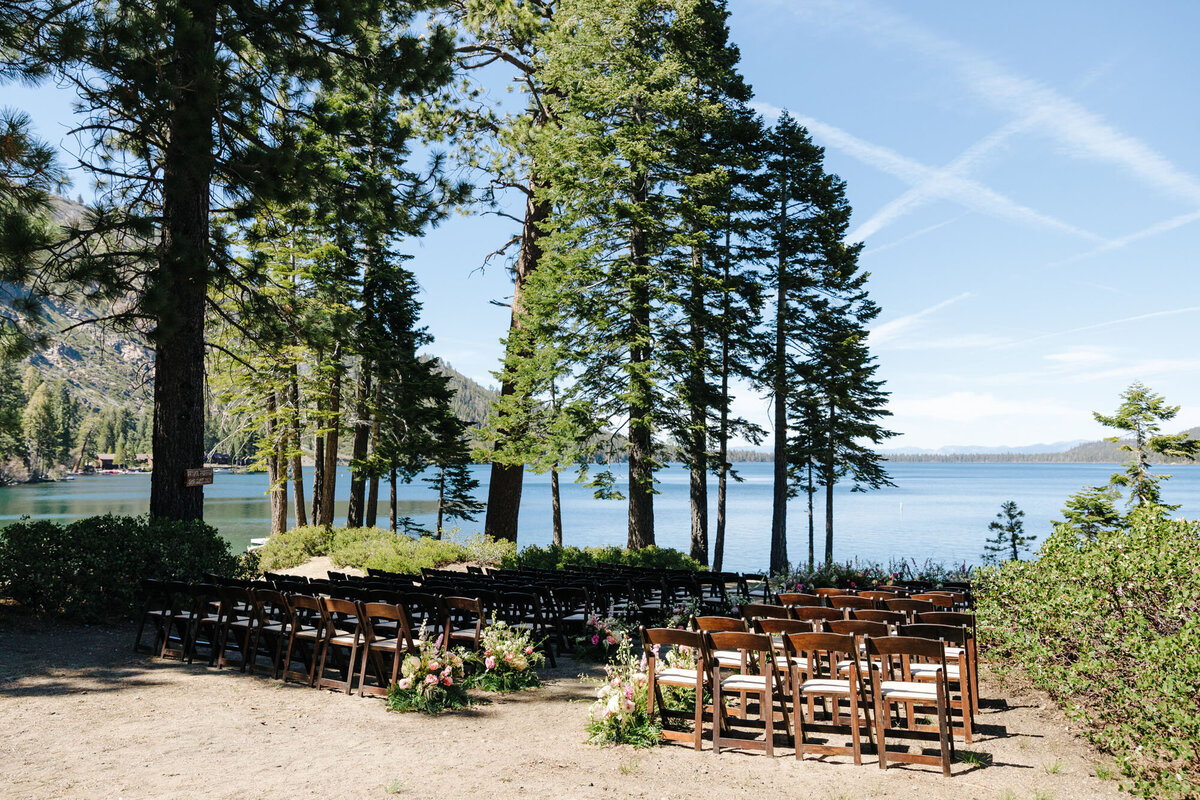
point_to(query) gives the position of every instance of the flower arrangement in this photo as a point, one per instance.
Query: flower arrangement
(506, 661)
(431, 680)
(601, 638)
(620, 713)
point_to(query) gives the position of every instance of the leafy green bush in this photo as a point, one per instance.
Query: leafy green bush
(1109, 625)
(555, 557)
(376, 548)
(90, 569)
(292, 548)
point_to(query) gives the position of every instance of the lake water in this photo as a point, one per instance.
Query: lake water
(936, 510)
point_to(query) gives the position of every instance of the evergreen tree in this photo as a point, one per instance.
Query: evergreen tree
(1139, 415)
(40, 427)
(1092, 510)
(1009, 539)
(12, 407)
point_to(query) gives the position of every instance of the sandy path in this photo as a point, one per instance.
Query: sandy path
(82, 716)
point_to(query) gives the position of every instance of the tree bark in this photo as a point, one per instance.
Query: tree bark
(811, 521)
(276, 466)
(641, 433)
(373, 481)
(698, 422)
(830, 480)
(334, 425)
(318, 462)
(723, 444)
(505, 483)
(779, 557)
(556, 508)
(178, 289)
(297, 461)
(437, 532)
(392, 520)
(362, 434)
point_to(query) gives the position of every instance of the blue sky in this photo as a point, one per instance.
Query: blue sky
(1026, 179)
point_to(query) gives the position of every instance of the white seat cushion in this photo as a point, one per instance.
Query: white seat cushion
(825, 686)
(742, 683)
(928, 670)
(908, 690)
(675, 676)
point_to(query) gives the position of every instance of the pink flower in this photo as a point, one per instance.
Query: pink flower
(529, 650)
(490, 662)
(433, 666)
(448, 681)
(508, 656)
(447, 671)
(611, 640)
(405, 683)
(431, 679)
(596, 639)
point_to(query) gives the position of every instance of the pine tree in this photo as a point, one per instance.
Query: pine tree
(39, 424)
(1139, 414)
(1009, 539)
(1092, 510)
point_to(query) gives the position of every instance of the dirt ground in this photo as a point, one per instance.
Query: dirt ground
(82, 716)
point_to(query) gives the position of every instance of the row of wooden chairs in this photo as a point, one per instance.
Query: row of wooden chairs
(860, 679)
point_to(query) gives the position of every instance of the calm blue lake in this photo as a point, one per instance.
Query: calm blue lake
(938, 511)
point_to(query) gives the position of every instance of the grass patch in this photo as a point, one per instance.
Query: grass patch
(975, 758)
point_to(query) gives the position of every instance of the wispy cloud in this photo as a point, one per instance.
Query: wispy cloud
(1154, 230)
(965, 341)
(1080, 132)
(976, 407)
(934, 183)
(1086, 355)
(1109, 324)
(914, 235)
(889, 331)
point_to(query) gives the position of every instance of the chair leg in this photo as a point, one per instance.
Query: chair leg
(855, 739)
(718, 710)
(699, 724)
(880, 737)
(945, 734)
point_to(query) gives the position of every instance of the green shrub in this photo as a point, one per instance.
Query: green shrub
(90, 569)
(292, 548)
(555, 557)
(1109, 625)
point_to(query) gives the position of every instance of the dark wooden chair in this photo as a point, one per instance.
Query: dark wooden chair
(156, 610)
(964, 619)
(273, 630)
(759, 679)
(465, 622)
(653, 640)
(239, 618)
(205, 622)
(344, 633)
(799, 599)
(957, 669)
(892, 684)
(306, 640)
(385, 635)
(909, 606)
(840, 601)
(813, 657)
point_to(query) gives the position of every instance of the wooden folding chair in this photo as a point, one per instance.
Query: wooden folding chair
(465, 622)
(956, 639)
(842, 601)
(890, 618)
(653, 639)
(883, 653)
(205, 622)
(273, 630)
(344, 632)
(751, 611)
(306, 639)
(385, 634)
(156, 610)
(963, 619)
(798, 599)
(909, 606)
(760, 679)
(239, 618)
(813, 657)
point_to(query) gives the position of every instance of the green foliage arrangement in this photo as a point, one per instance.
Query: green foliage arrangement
(376, 548)
(1108, 622)
(621, 711)
(507, 660)
(431, 680)
(557, 557)
(89, 570)
(866, 574)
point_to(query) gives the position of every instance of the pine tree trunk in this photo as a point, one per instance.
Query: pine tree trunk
(297, 460)
(318, 464)
(698, 412)
(779, 557)
(718, 561)
(811, 516)
(177, 291)
(373, 481)
(276, 467)
(329, 478)
(362, 434)
(504, 485)
(830, 480)
(556, 508)
(641, 433)
(437, 533)
(392, 520)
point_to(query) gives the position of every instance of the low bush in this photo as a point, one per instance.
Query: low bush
(1109, 624)
(431, 680)
(292, 548)
(376, 548)
(620, 713)
(867, 575)
(555, 557)
(507, 660)
(90, 569)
